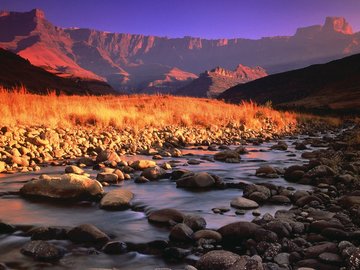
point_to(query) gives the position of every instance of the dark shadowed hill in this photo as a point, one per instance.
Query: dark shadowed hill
(213, 82)
(17, 71)
(334, 86)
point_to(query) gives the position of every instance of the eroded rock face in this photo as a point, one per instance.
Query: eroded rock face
(68, 186)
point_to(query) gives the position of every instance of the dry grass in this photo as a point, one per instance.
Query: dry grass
(21, 108)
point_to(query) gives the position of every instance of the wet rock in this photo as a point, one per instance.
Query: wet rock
(195, 222)
(243, 203)
(281, 228)
(207, 234)
(153, 173)
(166, 216)
(87, 233)
(68, 186)
(143, 164)
(217, 260)
(6, 228)
(141, 180)
(42, 251)
(236, 232)
(198, 180)
(177, 174)
(74, 169)
(280, 199)
(320, 171)
(117, 199)
(294, 173)
(175, 253)
(107, 177)
(282, 258)
(228, 156)
(335, 234)
(181, 233)
(266, 171)
(48, 233)
(300, 146)
(257, 193)
(246, 262)
(349, 201)
(315, 251)
(115, 247)
(265, 235)
(280, 146)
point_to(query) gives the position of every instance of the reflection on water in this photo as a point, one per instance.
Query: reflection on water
(130, 225)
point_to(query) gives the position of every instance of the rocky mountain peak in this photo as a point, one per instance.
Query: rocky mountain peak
(337, 24)
(37, 13)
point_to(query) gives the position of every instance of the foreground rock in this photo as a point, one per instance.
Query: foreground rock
(118, 199)
(42, 251)
(198, 180)
(68, 186)
(217, 260)
(243, 203)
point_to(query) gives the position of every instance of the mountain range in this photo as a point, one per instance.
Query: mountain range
(334, 86)
(138, 63)
(213, 82)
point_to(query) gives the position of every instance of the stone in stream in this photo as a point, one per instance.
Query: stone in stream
(166, 216)
(115, 247)
(195, 222)
(257, 193)
(153, 173)
(236, 232)
(267, 172)
(6, 228)
(107, 177)
(42, 251)
(280, 146)
(74, 169)
(47, 233)
(143, 164)
(117, 199)
(68, 186)
(107, 155)
(243, 203)
(228, 156)
(197, 180)
(207, 234)
(181, 233)
(217, 260)
(89, 234)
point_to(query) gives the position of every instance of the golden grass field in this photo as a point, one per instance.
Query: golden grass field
(22, 108)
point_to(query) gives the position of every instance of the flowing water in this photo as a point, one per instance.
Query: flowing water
(132, 226)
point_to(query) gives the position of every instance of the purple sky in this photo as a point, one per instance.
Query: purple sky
(200, 18)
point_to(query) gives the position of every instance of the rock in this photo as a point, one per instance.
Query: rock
(195, 222)
(21, 161)
(117, 199)
(141, 180)
(198, 180)
(300, 146)
(74, 169)
(280, 146)
(217, 260)
(335, 234)
(282, 229)
(243, 203)
(42, 251)
(143, 164)
(115, 247)
(349, 201)
(153, 173)
(265, 235)
(181, 233)
(354, 260)
(166, 216)
(330, 258)
(107, 155)
(294, 173)
(207, 234)
(47, 233)
(175, 253)
(6, 228)
(320, 171)
(282, 258)
(87, 233)
(315, 251)
(266, 171)
(68, 186)
(228, 156)
(280, 199)
(245, 262)
(177, 174)
(257, 193)
(2, 166)
(107, 177)
(236, 232)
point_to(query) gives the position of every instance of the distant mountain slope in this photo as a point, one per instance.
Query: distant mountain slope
(126, 61)
(214, 82)
(16, 71)
(334, 85)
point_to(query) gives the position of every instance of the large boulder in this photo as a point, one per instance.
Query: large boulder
(198, 180)
(217, 260)
(166, 216)
(68, 186)
(118, 199)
